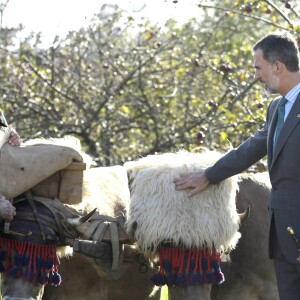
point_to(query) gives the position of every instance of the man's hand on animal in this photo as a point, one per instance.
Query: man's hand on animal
(14, 138)
(7, 211)
(193, 182)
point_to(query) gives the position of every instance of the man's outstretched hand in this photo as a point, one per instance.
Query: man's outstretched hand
(193, 182)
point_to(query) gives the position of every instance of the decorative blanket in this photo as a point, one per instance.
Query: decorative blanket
(23, 167)
(158, 213)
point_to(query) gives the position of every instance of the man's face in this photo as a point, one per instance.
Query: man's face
(265, 73)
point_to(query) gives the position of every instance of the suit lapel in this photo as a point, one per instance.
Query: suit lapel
(289, 124)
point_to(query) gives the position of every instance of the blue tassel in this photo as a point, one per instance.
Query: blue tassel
(181, 280)
(19, 263)
(171, 279)
(220, 278)
(192, 264)
(13, 272)
(167, 265)
(26, 259)
(30, 275)
(215, 265)
(210, 278)
(158, 279)
(56, 279)
(48, 264)
(44, 265)
(16, 270)
(39, 263)
(196, 278)
(204, 264)
(27, 274)
(42, 278)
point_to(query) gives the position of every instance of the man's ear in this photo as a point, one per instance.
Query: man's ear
(278, 67)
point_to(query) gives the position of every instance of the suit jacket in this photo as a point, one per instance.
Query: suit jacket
(284, 171)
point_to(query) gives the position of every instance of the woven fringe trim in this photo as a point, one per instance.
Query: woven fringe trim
(183, 267)
(33, 262)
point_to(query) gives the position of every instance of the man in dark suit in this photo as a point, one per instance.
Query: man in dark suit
(276, 62)
(7, 210)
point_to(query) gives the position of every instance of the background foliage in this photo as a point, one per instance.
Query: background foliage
(127, 88)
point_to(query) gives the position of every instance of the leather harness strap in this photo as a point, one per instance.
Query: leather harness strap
(29, 216)
(99, 224)
(99, 232)
(52, 227)
(115, 246)
(36, 215)
(87, 235)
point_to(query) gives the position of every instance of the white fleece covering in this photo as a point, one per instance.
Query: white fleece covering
(162, 214)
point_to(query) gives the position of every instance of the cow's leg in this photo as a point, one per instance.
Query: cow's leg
(192, 292)
(20, 289)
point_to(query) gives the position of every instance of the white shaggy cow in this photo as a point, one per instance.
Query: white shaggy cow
(190, 235)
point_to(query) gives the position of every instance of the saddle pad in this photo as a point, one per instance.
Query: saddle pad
(158, 213)
(23, 167)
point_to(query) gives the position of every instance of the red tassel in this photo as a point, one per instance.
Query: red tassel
(33, 261)
(182, 267)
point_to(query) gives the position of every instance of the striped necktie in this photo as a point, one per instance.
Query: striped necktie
(280, 118)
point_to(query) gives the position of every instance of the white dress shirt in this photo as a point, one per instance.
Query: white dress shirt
(291, 97)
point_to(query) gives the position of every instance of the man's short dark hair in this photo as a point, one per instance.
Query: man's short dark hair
(280, 46)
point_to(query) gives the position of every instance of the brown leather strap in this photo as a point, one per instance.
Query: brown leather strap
(90, 230)
(100, 231)
(57, 216)
(115, 246)
(99, 224)
(35, 212)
